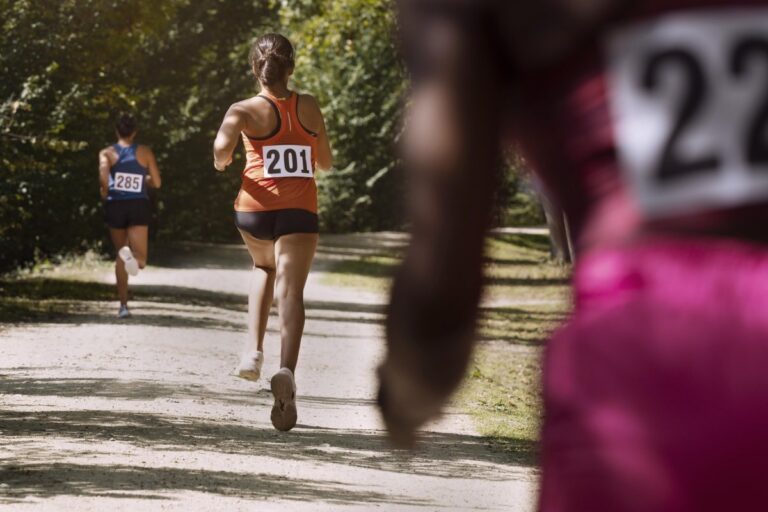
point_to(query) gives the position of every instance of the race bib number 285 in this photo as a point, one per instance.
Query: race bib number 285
(689, 94)
(128, 182)
(288, 161)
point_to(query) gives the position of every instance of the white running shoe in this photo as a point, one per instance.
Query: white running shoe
(250, 365)
(131, 265)
(123, 313)
(284, 390)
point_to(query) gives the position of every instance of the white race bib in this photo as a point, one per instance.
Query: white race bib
(128, 182)
(288, 161)
(689, 94)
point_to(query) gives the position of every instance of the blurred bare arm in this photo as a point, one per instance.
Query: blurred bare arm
(451, 152)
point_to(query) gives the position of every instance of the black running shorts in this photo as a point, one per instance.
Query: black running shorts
(271, 225)
(126, 213)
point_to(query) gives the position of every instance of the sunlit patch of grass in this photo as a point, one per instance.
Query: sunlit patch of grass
(72, 266)
(523, 273)
(533, 248)
(525, 325)
(39, 299)
(502, 393)
(372, 273)
(502, 389)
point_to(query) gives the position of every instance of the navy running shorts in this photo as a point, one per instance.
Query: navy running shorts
(271, 225)
(126, 213)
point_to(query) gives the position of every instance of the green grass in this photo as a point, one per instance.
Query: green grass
(373, 273)
(521, 326)
(502, 394)
(53, 288)
(529, 297)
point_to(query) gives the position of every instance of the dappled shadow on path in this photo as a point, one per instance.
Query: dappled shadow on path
(70, 301)
(186, 321)
(73, 290)
(439, 454)
(81, 302)
(122, 481)
(114, 388)
(36, 434)
(123, 389)
(192, 255)
(363, 244)
(450, 455)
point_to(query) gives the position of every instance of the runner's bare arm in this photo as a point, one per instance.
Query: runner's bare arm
(451, 151)
(229, 133)
(104, 165)
(314, 118)
(153, 180)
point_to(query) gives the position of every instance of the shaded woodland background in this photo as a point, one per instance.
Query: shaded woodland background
(68, 67)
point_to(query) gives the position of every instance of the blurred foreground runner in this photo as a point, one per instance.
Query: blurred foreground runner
(648, 123)
(125, 171)
(276, 210)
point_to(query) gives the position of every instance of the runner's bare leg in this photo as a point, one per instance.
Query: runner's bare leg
(120, 239)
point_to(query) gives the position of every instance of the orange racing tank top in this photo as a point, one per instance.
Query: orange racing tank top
(280, 168)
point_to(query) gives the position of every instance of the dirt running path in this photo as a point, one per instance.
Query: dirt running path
(102, 415)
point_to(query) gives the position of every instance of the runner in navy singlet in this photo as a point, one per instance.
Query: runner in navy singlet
(126, 169)
(648, 123)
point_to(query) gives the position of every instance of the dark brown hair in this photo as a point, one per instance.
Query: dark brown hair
(125, 124)
(271, 57)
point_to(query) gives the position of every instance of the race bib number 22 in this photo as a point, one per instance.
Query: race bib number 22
(288, 161)
(689, 94)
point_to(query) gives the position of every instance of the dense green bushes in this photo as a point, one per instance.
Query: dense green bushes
(66, 69)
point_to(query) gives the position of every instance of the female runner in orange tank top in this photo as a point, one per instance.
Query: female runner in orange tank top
(276, 209)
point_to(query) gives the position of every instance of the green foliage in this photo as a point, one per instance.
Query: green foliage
(66, 69)
(347, 58)
(515, 202)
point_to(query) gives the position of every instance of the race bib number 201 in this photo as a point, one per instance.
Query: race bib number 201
(288, 161)
(128, 182)
(689, 94)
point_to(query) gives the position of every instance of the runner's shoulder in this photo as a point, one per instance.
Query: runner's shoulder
(109, 153)
(252, 105)
(143, 149)
(308, 103)
(257, 112)
(256, 108)
(309, 111)
(308, 99)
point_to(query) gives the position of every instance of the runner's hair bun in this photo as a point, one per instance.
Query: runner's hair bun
(125, 124)
(272, 58)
